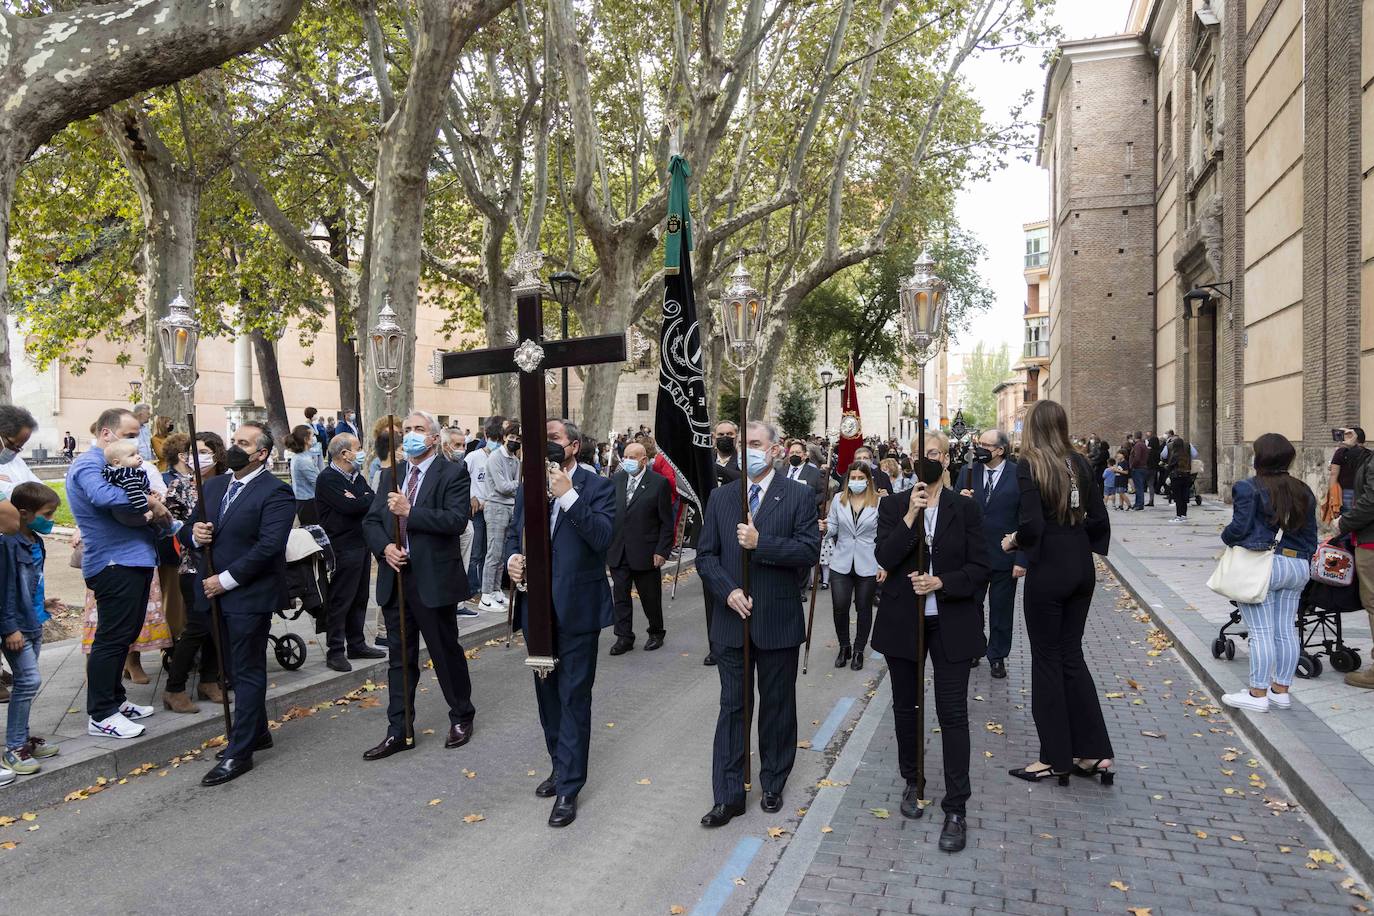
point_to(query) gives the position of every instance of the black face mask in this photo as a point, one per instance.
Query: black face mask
(982, 454)
(932, 472)
(555, 453)
(795, 461)
(236, 459)
(725, 445)
(513, 447)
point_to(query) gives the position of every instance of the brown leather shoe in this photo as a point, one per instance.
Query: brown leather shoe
(179, 702)
(133, 669)
(210, 692)
(391, 744)
(460, 734)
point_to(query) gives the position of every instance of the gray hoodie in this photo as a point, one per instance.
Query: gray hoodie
(503, 477)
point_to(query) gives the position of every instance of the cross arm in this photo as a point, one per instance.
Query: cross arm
(578, 351)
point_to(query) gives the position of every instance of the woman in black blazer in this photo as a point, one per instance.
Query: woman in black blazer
(1063, 523)
(953, 586)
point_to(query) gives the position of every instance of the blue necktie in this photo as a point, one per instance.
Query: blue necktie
(754, 490)
(229, 497)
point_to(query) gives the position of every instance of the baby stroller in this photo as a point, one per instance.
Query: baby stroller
(309, 564)
(1319, 629)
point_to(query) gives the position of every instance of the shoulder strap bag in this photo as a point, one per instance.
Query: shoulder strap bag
(1243, 575)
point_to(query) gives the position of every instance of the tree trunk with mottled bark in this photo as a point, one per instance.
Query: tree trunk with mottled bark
(346, 317)
(269, 374)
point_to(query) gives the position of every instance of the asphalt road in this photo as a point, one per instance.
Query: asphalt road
(315, 829)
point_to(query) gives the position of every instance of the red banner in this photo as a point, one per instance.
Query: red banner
(851, 430)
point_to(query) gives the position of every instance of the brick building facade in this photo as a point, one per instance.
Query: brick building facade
(1263, 158)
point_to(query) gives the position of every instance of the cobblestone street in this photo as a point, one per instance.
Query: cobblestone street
(1194, 824)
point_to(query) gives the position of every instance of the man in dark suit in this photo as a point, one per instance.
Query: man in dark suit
(797, 468)
(952, 583)
(881, 480)
(582, 518)
(991, 483)
(432, 508)
(342, 498)
(784, 540)
(250, 514)
(727, 471)
(639, 548)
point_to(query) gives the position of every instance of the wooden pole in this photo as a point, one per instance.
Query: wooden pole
(400, 580)
(744, 482)
(216, 620)
(921, 599)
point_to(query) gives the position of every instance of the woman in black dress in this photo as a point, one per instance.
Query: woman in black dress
(1063, 523)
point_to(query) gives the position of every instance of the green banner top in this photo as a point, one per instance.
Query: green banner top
(678, 238)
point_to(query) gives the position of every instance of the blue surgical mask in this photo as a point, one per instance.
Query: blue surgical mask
(358, 460)
(758, 462)
(41, 525)
(315, 448)
(858, 486)
(631, 466)
(414, 445)
(493, 445)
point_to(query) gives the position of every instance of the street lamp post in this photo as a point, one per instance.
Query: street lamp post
(826, 376)
(565, 285)
(922, 298)
(387, 341)
(178, 334)
(888, 399)
(741, 322)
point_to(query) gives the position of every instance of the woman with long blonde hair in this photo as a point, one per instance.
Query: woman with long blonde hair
(1063, 523)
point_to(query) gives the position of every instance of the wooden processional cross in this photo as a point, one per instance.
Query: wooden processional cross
(531, 358)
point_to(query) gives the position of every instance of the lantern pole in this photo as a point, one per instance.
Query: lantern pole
(742, 322)
(179, 333)
(387, 338)
(922, 300)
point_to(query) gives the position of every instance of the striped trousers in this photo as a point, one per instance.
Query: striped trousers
(1273, 624)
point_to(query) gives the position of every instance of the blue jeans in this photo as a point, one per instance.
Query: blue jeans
(24, 663)
(1138, 477)
(1273, 624)
(477, 555)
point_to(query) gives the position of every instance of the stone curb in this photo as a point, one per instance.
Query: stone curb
(1338, 811)
(786, 878)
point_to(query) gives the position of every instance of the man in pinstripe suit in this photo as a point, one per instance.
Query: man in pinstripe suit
(783, 539)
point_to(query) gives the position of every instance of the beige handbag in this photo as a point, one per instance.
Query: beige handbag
(1243, 575)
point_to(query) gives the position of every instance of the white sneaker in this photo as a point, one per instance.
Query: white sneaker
(1281, 700)
(1179, 518)
(6, 776)
(134, 711)
(1243, 699)
(489, 603)
(116, 726)
(501, 599)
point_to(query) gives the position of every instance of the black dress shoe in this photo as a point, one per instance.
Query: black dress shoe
(391, 744)
(709, 660)
(622, 646)
(564, 811)
(655, 642)
(459, 735)
(771, 802)
(546, 788)
(721, 815)
(954, 835)
(337, 663)
(998, 667)
(857, 662)
(262, 744)
(843, 658)
(973, 662)
(825, 586)
(227, 769)
(911, 802)
(367, 652)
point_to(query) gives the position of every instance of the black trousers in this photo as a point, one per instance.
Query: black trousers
(845, 587)
(1001, 607)
(649, 584)
(197, 637)
(439, 627)
(1180, 485)
(951, 709)
(1064, 699)
(245, 642)
(775, 675)
(121, 597)
(347, 612)
(565, 710)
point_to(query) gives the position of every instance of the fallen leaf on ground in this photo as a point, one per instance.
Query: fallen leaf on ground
(369, 703)
(1153, 735)
(1230, 791)
(9, 844)
(739, 882)
(1131, 683)
(677, 909)
(1200, 834)
(531, 773)
(1119, 885)
(776, 832)
(1046, 836)
(427, 731)
(434, 801)
(1114, 695)
(1237, 838)
(644, 782)
(827, 829)
(28, 816)
(880, 813)
(610, 725)
(1321, 856)
(829, 783)
(987, 754)
(473, 818)
(5, 821)
(1138, 910)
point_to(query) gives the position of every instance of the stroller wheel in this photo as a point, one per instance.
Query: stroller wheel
(290, 651)
(1344, 660)
(1219, 647)
(1230, 650)
(1309, 666)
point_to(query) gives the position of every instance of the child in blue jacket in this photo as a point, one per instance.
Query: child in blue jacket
(21, 622)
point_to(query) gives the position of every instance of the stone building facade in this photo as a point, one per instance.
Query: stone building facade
(1263, 157)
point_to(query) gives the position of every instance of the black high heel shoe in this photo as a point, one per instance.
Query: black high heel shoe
(843, 658)
(857, 662)
(1030, 775)
(1107, 774)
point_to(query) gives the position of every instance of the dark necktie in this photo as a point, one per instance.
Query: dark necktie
(234, 488)
(412, 484)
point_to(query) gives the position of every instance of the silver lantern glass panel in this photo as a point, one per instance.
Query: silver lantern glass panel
(387, 343)
(179, 334)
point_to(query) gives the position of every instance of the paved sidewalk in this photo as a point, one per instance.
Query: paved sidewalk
(1197, 822)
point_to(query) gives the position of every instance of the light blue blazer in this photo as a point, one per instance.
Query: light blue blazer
(852, 544)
